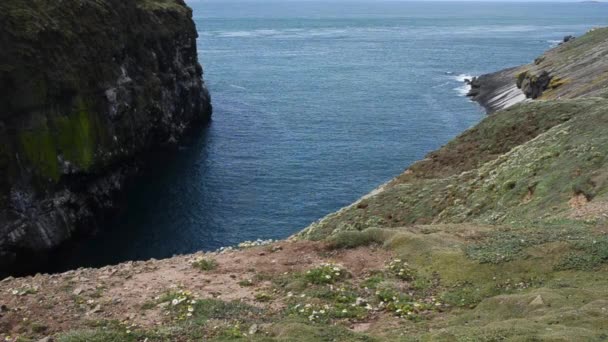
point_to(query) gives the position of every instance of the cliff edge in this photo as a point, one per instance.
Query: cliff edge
(87, 88)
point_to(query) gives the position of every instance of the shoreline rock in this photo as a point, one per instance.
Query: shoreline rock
(496, 91)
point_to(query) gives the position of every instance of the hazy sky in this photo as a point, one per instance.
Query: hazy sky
(397, 0)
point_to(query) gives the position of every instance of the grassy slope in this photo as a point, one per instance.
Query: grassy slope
(528, 188)
(505, 224)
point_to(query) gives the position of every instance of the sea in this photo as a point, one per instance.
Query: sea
(315, 105)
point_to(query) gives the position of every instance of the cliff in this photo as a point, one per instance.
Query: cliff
(500, 235)
(88, 87)
(575, 68)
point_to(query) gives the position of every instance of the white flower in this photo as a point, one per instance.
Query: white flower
(327, 276)
(344, 311)
(174, 302)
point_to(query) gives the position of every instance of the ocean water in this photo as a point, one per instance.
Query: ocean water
(316, 104)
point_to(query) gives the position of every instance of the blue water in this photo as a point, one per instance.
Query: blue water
(316, 104)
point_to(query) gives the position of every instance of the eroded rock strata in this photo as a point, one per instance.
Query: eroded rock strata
(575, 68)
(87, 88)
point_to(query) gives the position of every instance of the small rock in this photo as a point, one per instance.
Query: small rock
(47, 339)
(277, 248)
(96, 309)
(77, 291)
(360, 301)
(253, 329)
(568, 38)
(538, 301)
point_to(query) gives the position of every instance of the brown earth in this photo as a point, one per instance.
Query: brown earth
(72, 300)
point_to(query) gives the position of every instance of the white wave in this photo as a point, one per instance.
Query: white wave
(285, 33)
(465, 87)
(236, 34)
(554, 42)
(238, 87)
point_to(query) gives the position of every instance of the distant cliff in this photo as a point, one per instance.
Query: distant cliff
(87, 87)
(576, 68)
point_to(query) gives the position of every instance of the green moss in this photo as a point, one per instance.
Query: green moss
(76, 138)
(520, 77)
(72, 136)
(39, 149)
(557, 82)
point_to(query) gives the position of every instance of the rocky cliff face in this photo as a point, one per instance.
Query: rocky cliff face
(576, 68)
(88, 86)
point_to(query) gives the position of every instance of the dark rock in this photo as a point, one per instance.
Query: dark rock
(87, 88)
(533, 85)
(568, 38)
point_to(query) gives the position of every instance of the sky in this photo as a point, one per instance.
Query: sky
(571, 1)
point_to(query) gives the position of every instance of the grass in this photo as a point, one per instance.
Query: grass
(205, 264)
(531, 182)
